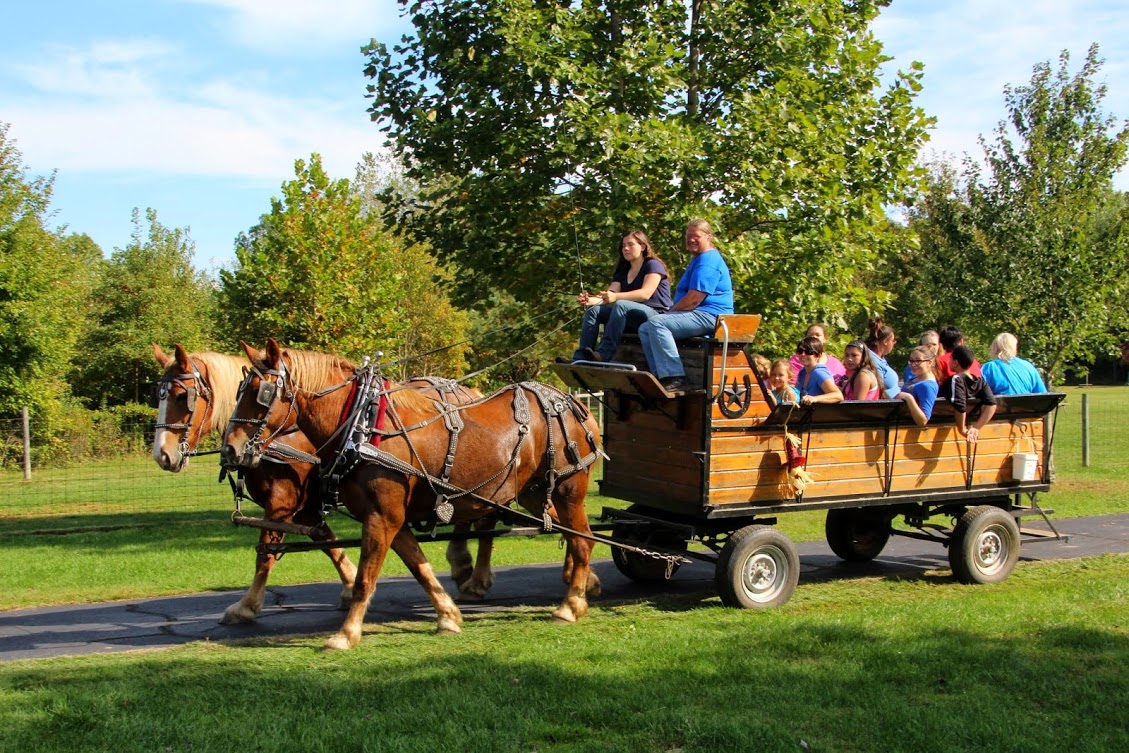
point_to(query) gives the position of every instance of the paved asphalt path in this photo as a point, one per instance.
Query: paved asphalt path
(309, 609)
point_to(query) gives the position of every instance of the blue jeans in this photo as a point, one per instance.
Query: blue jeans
(659, 336)
(616, 318)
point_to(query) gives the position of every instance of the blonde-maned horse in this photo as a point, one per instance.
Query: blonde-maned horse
(196, 395)
(527, 443)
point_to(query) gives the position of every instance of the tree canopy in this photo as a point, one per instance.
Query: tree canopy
(45, 282)
(148, 292)
(1034, 241)
(321, 271)
(540, 131)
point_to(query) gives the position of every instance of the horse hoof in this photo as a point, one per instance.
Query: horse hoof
(447, 626)
(564, 616)
(465, 596)
(238, 614)
(338, 642)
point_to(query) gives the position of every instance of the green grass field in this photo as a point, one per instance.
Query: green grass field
(149, 533)
(1036, 663)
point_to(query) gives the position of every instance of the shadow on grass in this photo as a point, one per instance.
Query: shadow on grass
(623, 685)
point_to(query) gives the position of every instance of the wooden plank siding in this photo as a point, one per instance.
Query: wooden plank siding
(687, 456)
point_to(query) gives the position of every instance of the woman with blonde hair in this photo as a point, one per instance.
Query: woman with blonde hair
(1007, 373)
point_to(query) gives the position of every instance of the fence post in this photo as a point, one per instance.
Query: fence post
(1085, 430)
(27, 443)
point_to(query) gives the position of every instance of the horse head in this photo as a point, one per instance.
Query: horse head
(264, 406)
(184, 400)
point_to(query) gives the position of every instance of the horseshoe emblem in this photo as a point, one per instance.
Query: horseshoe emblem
(735, 399)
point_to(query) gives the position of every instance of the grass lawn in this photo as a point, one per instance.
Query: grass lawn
(84, 545)
(1036, 663)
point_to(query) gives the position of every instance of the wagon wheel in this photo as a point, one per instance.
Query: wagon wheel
(758, 568)
(984, 546)
(857, 535)
(639, 567)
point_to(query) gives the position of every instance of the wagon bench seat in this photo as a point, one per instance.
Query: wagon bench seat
(628, 373)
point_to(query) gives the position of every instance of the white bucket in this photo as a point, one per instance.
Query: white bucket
(1024, 466)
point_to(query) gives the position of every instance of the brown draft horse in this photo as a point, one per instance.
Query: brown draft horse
(196, 395)
(511, 446)
(197, 392)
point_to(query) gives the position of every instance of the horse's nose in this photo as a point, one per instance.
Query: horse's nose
(227, 454)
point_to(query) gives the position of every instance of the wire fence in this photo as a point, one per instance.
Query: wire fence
(121, 484)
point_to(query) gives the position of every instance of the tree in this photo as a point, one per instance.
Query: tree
(540, 132)
(1035, 242)
(322, 272)
(45, 284)
(149, 292)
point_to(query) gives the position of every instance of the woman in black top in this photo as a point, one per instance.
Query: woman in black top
(640, 288)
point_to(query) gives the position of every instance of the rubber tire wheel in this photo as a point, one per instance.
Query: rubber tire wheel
(758, 568)
(638, 567)
(984, 546)
(856, 535)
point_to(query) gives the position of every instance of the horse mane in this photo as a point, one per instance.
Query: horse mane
(225, 373)
(313, 371)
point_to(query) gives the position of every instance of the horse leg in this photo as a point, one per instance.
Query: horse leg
(569, 510)
(593, 588)
(458, 557)
(482, 577)
(248, 608)
(377, 533)
(406, 545)
(345, 568)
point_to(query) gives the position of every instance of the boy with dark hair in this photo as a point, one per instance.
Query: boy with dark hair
(963, 386)
(949, 338)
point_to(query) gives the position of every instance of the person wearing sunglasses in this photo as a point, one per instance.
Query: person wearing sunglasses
(920, 393)
(833, 364)
(815, 382)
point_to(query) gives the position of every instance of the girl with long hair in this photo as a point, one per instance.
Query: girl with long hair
(640, 288)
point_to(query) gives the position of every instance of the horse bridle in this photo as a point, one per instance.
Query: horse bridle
(266, 398)
(198, 387)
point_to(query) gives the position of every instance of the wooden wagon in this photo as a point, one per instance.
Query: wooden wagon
(709, 470)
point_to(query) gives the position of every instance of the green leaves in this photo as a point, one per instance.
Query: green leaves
(320, 271)
(1036, 245)
(575, 122)
(147, 292)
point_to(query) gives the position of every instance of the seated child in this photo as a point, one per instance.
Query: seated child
(963, 386)
(861, 380)
(780, 382)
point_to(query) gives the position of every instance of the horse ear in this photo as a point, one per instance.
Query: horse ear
(163, 359)
(252, 353)
(182, 358)
(273, 351)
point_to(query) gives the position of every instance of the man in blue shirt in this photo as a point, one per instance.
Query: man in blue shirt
(703, 292)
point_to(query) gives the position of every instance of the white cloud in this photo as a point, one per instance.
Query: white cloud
(114, 69)
(270, 24)
(972, 49)
(123, 109)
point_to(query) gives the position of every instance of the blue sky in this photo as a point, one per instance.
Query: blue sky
(198, 108)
